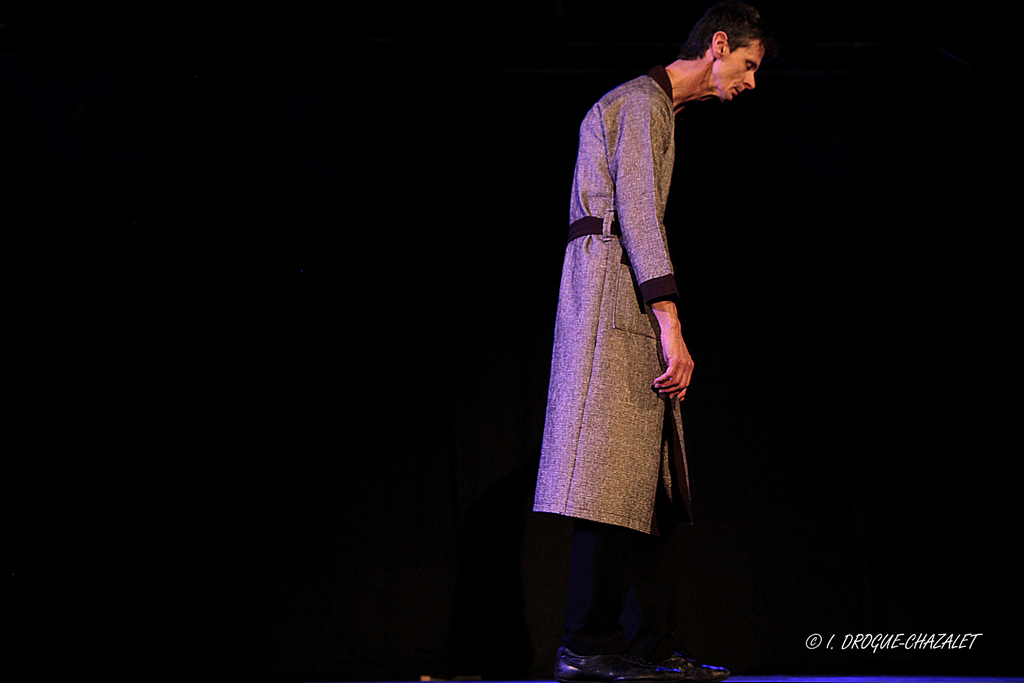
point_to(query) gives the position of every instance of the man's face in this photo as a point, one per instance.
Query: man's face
(734, 72)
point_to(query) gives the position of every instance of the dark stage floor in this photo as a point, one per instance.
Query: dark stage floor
(855, 679)
(843, 679)
(876, 679)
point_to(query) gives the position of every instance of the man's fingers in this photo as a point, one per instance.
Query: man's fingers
(670, 384)
(678, 393)
(674, 376)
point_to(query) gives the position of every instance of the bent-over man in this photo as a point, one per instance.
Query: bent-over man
(612, 455)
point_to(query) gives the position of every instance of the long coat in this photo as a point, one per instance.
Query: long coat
(610, 440)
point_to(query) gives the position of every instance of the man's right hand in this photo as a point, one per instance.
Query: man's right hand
(679, 364)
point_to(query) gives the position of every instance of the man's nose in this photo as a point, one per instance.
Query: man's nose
(750, 81)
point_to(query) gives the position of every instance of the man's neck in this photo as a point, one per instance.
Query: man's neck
(691, 81)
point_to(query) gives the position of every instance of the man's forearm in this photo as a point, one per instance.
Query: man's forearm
(666, 313)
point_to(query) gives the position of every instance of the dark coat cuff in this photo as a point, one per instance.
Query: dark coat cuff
(659, 288)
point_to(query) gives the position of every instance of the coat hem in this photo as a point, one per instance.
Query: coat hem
(597, 516)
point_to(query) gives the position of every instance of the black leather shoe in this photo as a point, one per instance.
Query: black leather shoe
(692, 671)
(574, 668)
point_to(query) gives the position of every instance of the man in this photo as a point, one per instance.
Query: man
(612, 455)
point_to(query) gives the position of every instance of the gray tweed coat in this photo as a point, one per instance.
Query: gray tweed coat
(611, 441)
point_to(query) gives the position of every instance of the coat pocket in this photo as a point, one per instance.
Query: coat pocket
(630, 314)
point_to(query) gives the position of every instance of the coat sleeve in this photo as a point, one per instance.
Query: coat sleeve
(638, 160)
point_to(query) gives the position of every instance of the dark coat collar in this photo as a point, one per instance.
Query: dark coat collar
(660, 76)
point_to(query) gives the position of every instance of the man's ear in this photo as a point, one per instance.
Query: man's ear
(719, 45)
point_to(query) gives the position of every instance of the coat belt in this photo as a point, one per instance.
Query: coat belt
(590, 225)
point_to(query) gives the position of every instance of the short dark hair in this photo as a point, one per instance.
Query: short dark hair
(741, 22)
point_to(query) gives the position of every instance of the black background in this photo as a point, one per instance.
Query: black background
(281, 296)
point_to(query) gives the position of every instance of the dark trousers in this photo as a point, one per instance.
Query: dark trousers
(621, 598)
